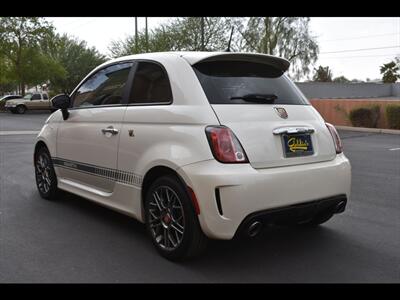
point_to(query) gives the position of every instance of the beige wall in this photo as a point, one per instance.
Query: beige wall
(328, 108)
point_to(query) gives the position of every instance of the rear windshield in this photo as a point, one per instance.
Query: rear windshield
(223, 80)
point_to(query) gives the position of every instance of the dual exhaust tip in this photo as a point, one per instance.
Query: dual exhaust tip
(340, 207)
(254, 228)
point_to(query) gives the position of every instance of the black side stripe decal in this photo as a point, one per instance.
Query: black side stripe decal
(111, 174)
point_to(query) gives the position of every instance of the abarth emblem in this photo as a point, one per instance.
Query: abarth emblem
(281, 112)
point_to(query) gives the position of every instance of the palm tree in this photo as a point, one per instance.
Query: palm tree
(323, 74)
(390, 72)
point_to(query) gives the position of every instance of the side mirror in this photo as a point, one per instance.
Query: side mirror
(62, 102)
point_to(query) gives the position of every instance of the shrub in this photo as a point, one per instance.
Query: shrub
(393, 115)
(365, 116)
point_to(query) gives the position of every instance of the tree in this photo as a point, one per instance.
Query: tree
(20, 39)
(287, 37)
(322, 74)
(341, 79)
(199, 34)
(180, 34)
(7, 82)
(75, 58)
(390, 71)
(158, 40)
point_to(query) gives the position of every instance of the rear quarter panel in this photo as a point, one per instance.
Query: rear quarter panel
(163, 136)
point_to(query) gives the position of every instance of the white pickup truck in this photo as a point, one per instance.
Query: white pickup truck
(31, 101)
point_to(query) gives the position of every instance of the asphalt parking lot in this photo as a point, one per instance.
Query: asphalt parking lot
(31, 120)
(74, 240)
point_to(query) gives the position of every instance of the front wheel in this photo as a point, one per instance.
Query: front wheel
(171, 220)
(21, 109)
(46, 180)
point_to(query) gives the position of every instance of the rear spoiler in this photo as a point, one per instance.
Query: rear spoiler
(274, 61)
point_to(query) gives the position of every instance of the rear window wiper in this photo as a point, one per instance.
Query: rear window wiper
(259, 98)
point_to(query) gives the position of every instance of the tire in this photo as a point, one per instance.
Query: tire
(46, 179)
(318, 220)
(171, 220)
(21, 109)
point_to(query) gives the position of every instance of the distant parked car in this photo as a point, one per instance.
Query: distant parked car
(9, 97)
(5, 98)
(31, 101)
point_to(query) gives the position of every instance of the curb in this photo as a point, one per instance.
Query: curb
(374, 130)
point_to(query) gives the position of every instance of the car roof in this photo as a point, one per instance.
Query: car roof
(194, 57)
(5, 96)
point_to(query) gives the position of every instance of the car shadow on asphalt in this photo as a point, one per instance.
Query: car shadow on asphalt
(114, 219)
(272, 245)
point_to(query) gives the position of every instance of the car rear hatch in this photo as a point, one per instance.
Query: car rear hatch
(272, 119)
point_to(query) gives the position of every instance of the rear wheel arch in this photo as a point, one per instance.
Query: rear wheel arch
(154, 173)
(193, 240)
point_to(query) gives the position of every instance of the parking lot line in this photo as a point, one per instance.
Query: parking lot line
(20, 132)
(393, 149)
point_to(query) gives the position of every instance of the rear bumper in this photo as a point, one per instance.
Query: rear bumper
(229, 193)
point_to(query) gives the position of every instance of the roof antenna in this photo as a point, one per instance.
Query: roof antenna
(230, 39)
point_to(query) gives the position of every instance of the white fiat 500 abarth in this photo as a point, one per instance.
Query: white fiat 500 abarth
(196, 145)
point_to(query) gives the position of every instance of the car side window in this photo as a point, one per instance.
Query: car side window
(45, 97)
(36, 97)
(105, 87)
(150, 85)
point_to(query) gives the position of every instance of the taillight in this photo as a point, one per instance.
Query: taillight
(225, 146)
(336, 139)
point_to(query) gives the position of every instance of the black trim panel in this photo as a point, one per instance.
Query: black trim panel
(218, 200)
(125, 177)
(295, 213)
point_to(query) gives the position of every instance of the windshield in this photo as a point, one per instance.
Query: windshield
(231, 82)
(28, 96)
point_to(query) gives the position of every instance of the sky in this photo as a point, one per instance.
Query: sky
(345, 42)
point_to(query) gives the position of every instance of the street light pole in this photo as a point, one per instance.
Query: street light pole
(147, 37)
(202, 33)
(136, 36)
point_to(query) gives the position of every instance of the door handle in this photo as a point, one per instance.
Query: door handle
(110, 129)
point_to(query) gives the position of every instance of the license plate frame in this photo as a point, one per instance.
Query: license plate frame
(297, 145)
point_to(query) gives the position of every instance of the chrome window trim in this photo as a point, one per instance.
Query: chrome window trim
(133, 77)
(126, 88)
